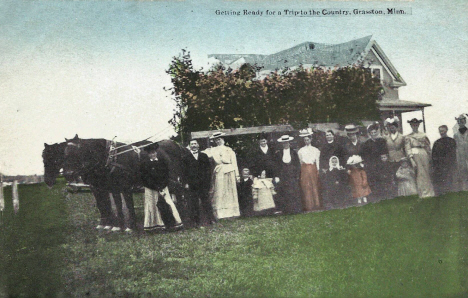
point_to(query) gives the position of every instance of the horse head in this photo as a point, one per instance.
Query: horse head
(53, 157)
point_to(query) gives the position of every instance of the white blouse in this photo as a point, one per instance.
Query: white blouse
(309, 155)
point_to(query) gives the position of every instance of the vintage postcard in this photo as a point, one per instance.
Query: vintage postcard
(233, 148)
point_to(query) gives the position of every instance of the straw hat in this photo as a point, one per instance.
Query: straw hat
(304, 133)
(217, 134)
(285, 138)
(351, 128)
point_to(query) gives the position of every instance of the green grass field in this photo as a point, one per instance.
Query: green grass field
(396, 248)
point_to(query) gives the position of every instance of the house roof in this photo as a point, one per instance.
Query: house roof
(315, 54)
(401, 105)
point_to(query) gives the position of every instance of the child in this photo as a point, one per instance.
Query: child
(336, 190)
(387, 180)
(263, 192)
(244, 190)
(358, 179)
(406, 179)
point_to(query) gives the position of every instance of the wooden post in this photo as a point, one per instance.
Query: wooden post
(424, 120)
(14, 189)
(2, 198)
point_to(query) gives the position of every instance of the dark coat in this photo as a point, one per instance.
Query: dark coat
(444, 161)
(328, 150)
(197, 173)
(372, 150)
(351, 149)
(154, 174)
(261, 161)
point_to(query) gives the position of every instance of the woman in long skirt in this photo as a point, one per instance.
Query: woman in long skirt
(309, 157)
(223, 191)
(288, 198)
(418, 149)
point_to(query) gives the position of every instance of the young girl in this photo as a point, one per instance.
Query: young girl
(263, 192)
(336, 191)
(406, 179)
(358, 179)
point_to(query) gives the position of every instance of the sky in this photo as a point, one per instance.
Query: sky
(97, 68)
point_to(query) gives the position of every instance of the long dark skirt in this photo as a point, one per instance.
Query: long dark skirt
(288, 198)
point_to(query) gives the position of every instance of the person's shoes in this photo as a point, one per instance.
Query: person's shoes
(108, 228)
(359, 201)
(364, 200)
(99, 227)
(128, 230)
(116, 229)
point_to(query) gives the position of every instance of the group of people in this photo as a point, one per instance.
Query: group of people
(320, 175)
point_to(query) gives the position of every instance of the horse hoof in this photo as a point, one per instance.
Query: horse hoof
(108, 228)
(99, 227)
(116, 229)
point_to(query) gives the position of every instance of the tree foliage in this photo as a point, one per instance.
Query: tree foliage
(226, 98)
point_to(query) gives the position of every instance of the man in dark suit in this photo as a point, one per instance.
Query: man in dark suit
(197, 180)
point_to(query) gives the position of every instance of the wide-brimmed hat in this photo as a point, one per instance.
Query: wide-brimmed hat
(392, 121)
(151, 147)
(373, 126)
(462, 116)
(354, 160)
(285, 138)
(304, 133)
(414, 120)
(351, 128)
(217, 134)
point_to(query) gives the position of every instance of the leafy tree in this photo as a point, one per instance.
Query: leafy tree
(226, 98)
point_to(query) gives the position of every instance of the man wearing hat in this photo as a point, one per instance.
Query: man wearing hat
(160, 211)
(461, 138)
(418, 150)
(288, 194)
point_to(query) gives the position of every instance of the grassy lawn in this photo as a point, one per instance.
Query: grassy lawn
(396, 248)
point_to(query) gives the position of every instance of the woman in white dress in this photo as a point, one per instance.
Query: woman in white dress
(223, 191)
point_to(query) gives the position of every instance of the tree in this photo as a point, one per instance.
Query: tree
(226, 98)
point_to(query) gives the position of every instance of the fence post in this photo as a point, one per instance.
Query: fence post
(14, 188)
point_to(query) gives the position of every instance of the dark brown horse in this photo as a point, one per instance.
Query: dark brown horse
(89, 158)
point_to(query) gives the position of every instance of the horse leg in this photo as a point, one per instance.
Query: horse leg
(128, 197)
(104, 206)
(120, 222)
